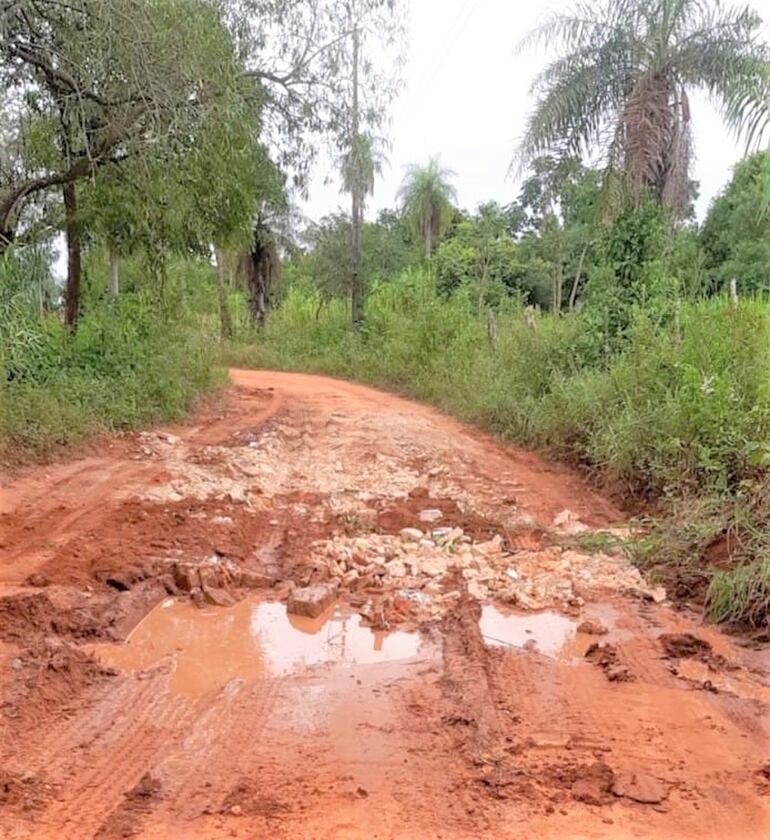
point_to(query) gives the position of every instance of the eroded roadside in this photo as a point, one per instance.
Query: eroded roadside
(474, 670)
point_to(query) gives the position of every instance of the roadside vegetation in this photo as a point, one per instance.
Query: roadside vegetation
(593, 316)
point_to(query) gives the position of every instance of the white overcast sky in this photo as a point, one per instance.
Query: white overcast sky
(466, 96)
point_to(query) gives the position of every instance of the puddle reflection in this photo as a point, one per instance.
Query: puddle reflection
(206, 648)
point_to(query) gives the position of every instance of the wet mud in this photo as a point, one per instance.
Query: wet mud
(471, 672)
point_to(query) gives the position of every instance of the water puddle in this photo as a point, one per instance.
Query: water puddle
(737, 683)
(548, 632)
(206, 648)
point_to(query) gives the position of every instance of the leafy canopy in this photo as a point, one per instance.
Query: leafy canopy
(427, 196)
(621, 79)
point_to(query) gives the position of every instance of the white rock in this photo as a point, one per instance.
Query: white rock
(396, 568)
(477, 590)
(440, 533)
(433, 566)
(431, 515)
(490, 547)
(512, 574)
(411, 534)
(350, 577)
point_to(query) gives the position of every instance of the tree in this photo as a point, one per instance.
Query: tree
(302, 54)
(622, 79)
(427, 195)
(736, 231)
(481, 254)
(96, 83)
(359, 166)
(557, 213)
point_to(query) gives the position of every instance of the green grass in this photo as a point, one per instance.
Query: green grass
(126, 366)
(741, 595)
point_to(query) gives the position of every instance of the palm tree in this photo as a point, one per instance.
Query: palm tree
(427, 195)
(362, 163)
(622, 79)
(359, 164)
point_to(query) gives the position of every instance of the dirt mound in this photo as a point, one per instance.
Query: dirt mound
(48, 676)
(76, 614)
(593, 784)
(23, 793)
(685, 646)
(246, 799)
(606, 656)
(126, 819)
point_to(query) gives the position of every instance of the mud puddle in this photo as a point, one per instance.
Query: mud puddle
(549, 633)
(204, 649)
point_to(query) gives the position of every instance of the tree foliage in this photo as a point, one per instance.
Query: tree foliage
(427, 196)
(736, 232)
(96, 82)
(621, 85)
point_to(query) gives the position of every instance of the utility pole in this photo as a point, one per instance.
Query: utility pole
(357, 214)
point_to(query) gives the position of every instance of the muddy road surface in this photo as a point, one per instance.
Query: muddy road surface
(322, 611)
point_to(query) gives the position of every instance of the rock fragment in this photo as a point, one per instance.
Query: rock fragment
(640, 787)
(593, 784)
(592, 627)
(311, 601)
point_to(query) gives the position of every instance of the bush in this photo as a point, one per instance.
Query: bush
(125, 366)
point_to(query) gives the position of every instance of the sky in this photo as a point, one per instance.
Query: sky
(466, 98)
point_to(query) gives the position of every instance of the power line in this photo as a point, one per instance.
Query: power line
(460, 22)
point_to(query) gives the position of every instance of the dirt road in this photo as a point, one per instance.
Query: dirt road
(487, 662)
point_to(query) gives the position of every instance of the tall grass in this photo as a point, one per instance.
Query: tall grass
(681, 413)
(126, 365)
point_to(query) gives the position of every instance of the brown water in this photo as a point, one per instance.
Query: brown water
(547, 632)
(206, 648)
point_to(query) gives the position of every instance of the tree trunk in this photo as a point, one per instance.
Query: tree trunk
(356, 284)
(72, 230)
(576, 284)
(428, 241)
(260, 267)
(225, 321)
(557, 288)
(114, 273)
(6, 239)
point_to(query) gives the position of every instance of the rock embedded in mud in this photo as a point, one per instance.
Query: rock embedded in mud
(186, 576)
(434, 566)
(249, 579)
(311, 601)
(477, 590)
(640, 787)
(431, 515)
(592, 627)
(218, 597)
(594, 784)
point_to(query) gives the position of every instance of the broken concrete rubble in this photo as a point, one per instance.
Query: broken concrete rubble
(532, 580)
